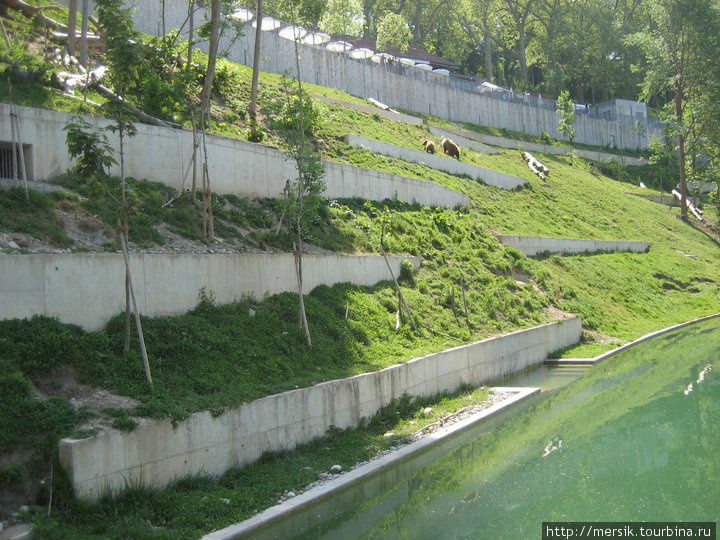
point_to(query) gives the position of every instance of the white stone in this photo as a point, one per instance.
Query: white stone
(427, 410)
(251, 312)
(336, 469)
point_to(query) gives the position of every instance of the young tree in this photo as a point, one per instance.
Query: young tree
(566, 110)
(123, 56)
(215, 12)
(294, 119)
(393, 34)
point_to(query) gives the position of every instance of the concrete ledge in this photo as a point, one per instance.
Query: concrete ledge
(625, 347)
(536, 245)
(236, 167)
(667, 200)
(505, 142)
(86, 289)
(156, 453)
(355, 476)
(370, 109)
(438, 162)
(462, 141)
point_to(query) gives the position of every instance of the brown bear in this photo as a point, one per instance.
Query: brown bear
(429, 146)
(450, 148)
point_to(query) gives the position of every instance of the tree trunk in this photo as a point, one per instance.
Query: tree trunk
(522, 59)
(72, 27)
(302, 316)
(256, 65)
(191, 32)
(487, 44)
(681, 152)
(84, 32)
(212, 56)
(138, 323)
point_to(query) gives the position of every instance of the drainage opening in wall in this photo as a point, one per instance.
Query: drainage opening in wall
(6, 161)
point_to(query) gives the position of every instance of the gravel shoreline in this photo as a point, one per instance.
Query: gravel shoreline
(452, 418)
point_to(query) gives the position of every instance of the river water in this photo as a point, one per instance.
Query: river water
(635, 438)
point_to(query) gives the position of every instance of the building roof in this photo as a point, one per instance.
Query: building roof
(414, 53)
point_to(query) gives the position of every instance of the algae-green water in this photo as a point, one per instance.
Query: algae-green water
(637, 438)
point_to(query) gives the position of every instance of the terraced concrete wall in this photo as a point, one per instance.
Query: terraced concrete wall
(667, 200)
(87, 289)
(534, 245)
(504, 142)
(457, 136)
(236, 167)
(156, 453)
(438, 162)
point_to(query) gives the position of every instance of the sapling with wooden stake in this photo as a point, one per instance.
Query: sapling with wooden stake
(293, 118)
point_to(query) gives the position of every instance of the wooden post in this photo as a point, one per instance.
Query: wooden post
(138, 323)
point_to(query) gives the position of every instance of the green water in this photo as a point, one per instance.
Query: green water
(637, 438)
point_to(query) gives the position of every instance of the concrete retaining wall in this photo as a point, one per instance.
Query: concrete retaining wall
(534, 245)
(504, 142)
(462, 141)
(667, 200)
(236, 167)
(156, 453)
(87, 289)
(396, 85)
(438, 162)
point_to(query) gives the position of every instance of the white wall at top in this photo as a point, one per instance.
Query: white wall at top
(158, 452)
(397, 86)
(87, 289)
(236, 167)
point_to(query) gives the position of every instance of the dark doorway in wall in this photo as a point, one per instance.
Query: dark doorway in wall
(6, 160)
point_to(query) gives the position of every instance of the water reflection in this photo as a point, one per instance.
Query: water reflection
(636, 438)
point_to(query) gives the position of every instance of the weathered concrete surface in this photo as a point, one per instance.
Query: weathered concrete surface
(528, 146)
(438, 162)
(236, 167)
(535, 245)
(87, 289)
(278, 521)
(156, 453)
(461, 140)
(667, 200)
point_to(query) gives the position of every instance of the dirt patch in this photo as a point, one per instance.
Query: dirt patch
(63, 383)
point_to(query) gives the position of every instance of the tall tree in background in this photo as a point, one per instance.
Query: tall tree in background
(343, 17)
(393, 33)
(680, 44)
(72, 27)
(520, 11)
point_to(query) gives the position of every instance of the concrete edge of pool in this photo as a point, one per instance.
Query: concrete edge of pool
(358, 474)
(605, 356)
